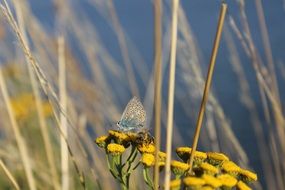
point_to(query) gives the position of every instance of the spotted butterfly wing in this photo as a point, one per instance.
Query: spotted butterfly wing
(134, 116)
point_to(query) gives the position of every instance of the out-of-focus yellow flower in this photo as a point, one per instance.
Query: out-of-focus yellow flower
(147, 159)
(146, 148)
(194, 182)
(209, 169)
(161, 156)
(115, 149)
(175, 184)
(216, 158)
(227, 180)
(24, 105)
(212, 181)
(230, 168)
(179, 168)
(119, 136)
(247, 175)
(102, 141)
(242, 186)
(47, 109)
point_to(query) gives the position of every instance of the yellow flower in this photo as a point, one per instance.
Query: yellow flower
(147, 148)
(162, 156)
(179, 168)
(212, 181)
(247, 175)
(147, 159)
(183, 153)
(24, 105)
(175, 184)
(227, 180)
(119, 136)
(216, 158)
(230, 168)
(199, 157)
(131, 136)
(194, 182)
(115, 149)
(209, 169)
(242, 186)
(102, 141)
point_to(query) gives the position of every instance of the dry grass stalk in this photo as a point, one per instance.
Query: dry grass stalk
(264, 81)
(52, 97)
(171, 88)
(267, 47)
(9, 175)
(157, 87)
(223, 11)
(124, 48)
(19, 139)
(63, 121)
(39, 104)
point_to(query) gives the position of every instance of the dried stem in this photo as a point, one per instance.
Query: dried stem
(157, 87)
(39, 104)
(223, 11)
(19, 139)
(9, 175)
(124, 48)
(63, 121)
(171, 88)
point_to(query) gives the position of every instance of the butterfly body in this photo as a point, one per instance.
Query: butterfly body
(133, 117)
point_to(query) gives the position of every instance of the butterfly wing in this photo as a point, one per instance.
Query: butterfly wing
(134, 115)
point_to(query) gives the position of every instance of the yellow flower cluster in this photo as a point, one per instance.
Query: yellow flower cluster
(146, 148)
(211, 170)
(147, 159)
(179, 168)
(115, 149)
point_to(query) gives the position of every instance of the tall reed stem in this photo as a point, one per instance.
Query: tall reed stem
(171, 88)
(63, 121)
(223, 11)
(157, 87)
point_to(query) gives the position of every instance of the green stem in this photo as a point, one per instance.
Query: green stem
(147, 179)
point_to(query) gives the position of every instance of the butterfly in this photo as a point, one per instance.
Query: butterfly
(133, 117)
